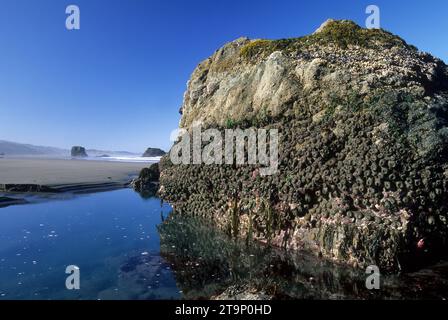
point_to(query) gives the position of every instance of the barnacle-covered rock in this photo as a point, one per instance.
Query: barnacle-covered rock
(363, 170)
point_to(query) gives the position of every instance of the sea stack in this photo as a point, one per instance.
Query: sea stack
(78, 152)
(363, 150)
(153, 152)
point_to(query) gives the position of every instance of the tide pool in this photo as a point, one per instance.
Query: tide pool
(97, 232)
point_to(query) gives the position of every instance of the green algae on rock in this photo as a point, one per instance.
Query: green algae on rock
(363, 171)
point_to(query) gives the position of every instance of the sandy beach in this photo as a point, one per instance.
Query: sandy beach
(58, 173)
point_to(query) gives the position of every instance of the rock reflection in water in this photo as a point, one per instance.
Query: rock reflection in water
(207, 264)
(148, 277)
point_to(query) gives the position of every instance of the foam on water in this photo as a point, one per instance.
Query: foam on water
(125, 159)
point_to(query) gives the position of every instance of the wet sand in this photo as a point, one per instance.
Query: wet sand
(65, 173)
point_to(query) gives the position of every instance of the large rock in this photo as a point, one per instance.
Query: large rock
(79, 152)
(249, 78)
(153, 152)
(363, 173)
(147, 182)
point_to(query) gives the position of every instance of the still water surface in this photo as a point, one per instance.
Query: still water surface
(128, 247)
(96, 232)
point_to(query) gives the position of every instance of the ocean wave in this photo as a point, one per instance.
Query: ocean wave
(125, 159)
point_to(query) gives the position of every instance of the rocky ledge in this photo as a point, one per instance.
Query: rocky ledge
(7, 201)
(363, 171)
(27, 188)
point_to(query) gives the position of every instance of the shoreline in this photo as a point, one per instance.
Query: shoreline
(21, 178)
(31, 195)
(17, 189)
(7, 201)
(57, 173)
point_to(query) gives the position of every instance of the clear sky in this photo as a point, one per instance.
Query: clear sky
(117, 84)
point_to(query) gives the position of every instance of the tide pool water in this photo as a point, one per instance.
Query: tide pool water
(130, 248)
(97, 232)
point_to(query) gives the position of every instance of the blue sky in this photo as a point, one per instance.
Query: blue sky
(117, 83)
